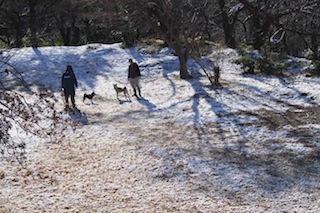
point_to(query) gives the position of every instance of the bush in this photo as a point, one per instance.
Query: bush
(244, 49)
(266, 67)
(247, 64)
(314, 69)
(262, 64)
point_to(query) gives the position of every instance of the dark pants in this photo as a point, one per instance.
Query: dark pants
(71, 95)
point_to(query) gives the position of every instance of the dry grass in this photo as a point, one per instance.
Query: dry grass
(138, 162)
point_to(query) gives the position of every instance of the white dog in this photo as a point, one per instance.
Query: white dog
(123, 90)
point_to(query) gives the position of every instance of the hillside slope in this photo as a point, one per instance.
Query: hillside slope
(250, 146)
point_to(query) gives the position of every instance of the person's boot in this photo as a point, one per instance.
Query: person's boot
(139, 92)
(135, 92)
(74, 108)
(66, 107)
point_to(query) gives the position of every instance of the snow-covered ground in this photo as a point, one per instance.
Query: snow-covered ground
(251, 145)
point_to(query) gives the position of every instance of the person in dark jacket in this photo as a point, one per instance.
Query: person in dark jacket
(134, 77)
(68, 85)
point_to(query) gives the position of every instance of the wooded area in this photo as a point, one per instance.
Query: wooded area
(282, 26)
(69, 22)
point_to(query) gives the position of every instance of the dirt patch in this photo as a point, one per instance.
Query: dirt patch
(296, 116)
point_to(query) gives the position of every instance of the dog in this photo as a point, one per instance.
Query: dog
(89, 96)
(123, 90)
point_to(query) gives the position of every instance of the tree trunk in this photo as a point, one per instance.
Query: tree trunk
(183, 60)
(184, 74)
(257, 33)
(75, 33)
(32, 23)
(65, 35)
(228, 28)
(314, 47)
(229, 37)
(17, 25)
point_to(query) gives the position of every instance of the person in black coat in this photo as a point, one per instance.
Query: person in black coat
(134, 75)
(68, 85)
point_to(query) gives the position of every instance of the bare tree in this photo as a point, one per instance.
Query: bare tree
(305, 22)
(176, 22)
(299, 17)
(229, 16)
(13, 24)
(38, 118)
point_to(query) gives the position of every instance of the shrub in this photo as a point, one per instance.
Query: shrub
(244, 49)
(266, 67)
(314, 69)
(263, 64)
(247, 64)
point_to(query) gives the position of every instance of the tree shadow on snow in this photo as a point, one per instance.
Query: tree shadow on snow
(47, 69)
(240, 166)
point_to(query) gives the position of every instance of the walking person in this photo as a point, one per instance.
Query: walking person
(68, 85)
(134, 78)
